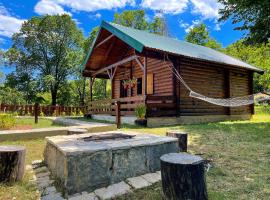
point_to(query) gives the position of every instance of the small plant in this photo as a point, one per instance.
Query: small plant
(81, 113)
(42, 114)
(7, 121)
(140, 111)
(54, 113)
(73, 114)
(130, 83)
(63, 113)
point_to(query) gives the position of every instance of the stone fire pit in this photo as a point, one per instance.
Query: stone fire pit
(90, 161)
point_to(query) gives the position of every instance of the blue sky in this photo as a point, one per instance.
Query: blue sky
(180, 14)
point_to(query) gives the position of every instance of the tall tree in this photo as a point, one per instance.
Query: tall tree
(257, 55)
(48, 47)
(199, 34)
(250, 15)
(137, 19)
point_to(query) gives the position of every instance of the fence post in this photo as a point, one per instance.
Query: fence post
(118, 113)
(36, 112)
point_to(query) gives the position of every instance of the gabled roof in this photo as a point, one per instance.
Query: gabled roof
(139, 40)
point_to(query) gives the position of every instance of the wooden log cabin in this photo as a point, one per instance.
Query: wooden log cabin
(120, 53)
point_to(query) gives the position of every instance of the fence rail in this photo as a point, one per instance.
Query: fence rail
(43, 110)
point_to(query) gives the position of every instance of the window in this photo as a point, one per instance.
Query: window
(139, 86)
(123, 91)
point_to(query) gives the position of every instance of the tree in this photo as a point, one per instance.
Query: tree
(48, 47)
(137, 19)
(200, 35)
(132, 18)
(24, 83)
(250, 15)
(257, 55)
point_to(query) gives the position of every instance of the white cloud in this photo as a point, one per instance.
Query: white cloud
(188, 26)
(167, 6)
(208, 9)
(55, 6)
(49, 7)
(8, 24)
(98, 15)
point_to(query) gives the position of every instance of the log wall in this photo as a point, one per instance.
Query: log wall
(212, 80)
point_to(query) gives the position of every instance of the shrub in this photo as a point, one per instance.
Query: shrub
(140, 111)
(73, 114)
(7, 121)
(63, 113)
(81, 113)
(42, 114)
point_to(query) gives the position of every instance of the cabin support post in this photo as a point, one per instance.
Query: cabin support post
(145, 82)
(227, 89)
(250, 86)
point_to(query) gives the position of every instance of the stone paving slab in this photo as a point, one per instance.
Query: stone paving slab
(54, 196)
(113, 191)
(41, 169)
(42, 174)
(152, 177)
(138, 182)
(84, 196)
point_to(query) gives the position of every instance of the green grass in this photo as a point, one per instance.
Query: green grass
(239, 153)
(42, 122)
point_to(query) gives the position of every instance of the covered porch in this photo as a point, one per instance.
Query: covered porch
(113, 59)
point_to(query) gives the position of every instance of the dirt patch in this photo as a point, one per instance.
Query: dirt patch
(22, 127)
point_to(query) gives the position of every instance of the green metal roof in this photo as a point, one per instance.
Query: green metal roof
(139, 39)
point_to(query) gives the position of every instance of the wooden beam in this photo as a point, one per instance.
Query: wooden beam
(115, 69)
(121, 62)
(103, 41)
(140, 64)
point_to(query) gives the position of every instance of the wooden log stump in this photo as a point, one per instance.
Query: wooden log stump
(182, 139)
(183, 177)
(76, 131)
(12, 159)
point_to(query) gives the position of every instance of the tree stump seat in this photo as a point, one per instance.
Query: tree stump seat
(12, 161)
(183, 177)
(182, 139)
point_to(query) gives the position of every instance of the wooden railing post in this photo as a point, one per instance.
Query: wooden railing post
(36, 112)
(118, 113)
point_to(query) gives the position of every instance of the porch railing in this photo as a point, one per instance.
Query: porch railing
(108, 106)
(156, 106)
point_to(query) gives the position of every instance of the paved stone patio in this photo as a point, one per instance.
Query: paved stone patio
(47, 190)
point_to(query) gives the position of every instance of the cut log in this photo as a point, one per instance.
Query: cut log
(183, 177)
(182, 139)
(76, 131)
(12, 160)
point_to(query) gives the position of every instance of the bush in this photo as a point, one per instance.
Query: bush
(140, 111)
(7, 121)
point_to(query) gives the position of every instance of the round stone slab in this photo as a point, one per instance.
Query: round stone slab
(11, 148)
(181, 158)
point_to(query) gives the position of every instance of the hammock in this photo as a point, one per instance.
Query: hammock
(228, 102)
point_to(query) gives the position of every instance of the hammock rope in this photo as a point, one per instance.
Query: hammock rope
(226, 102)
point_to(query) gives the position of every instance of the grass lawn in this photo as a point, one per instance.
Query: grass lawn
(239, 151)
(25, 123)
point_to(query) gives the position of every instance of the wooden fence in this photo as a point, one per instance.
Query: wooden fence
(23, 110)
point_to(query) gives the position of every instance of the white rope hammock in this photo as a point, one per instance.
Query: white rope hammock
(227, 102)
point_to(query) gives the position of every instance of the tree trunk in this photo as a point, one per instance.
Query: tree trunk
(183, 177)
(54, 96)
(12, 159)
